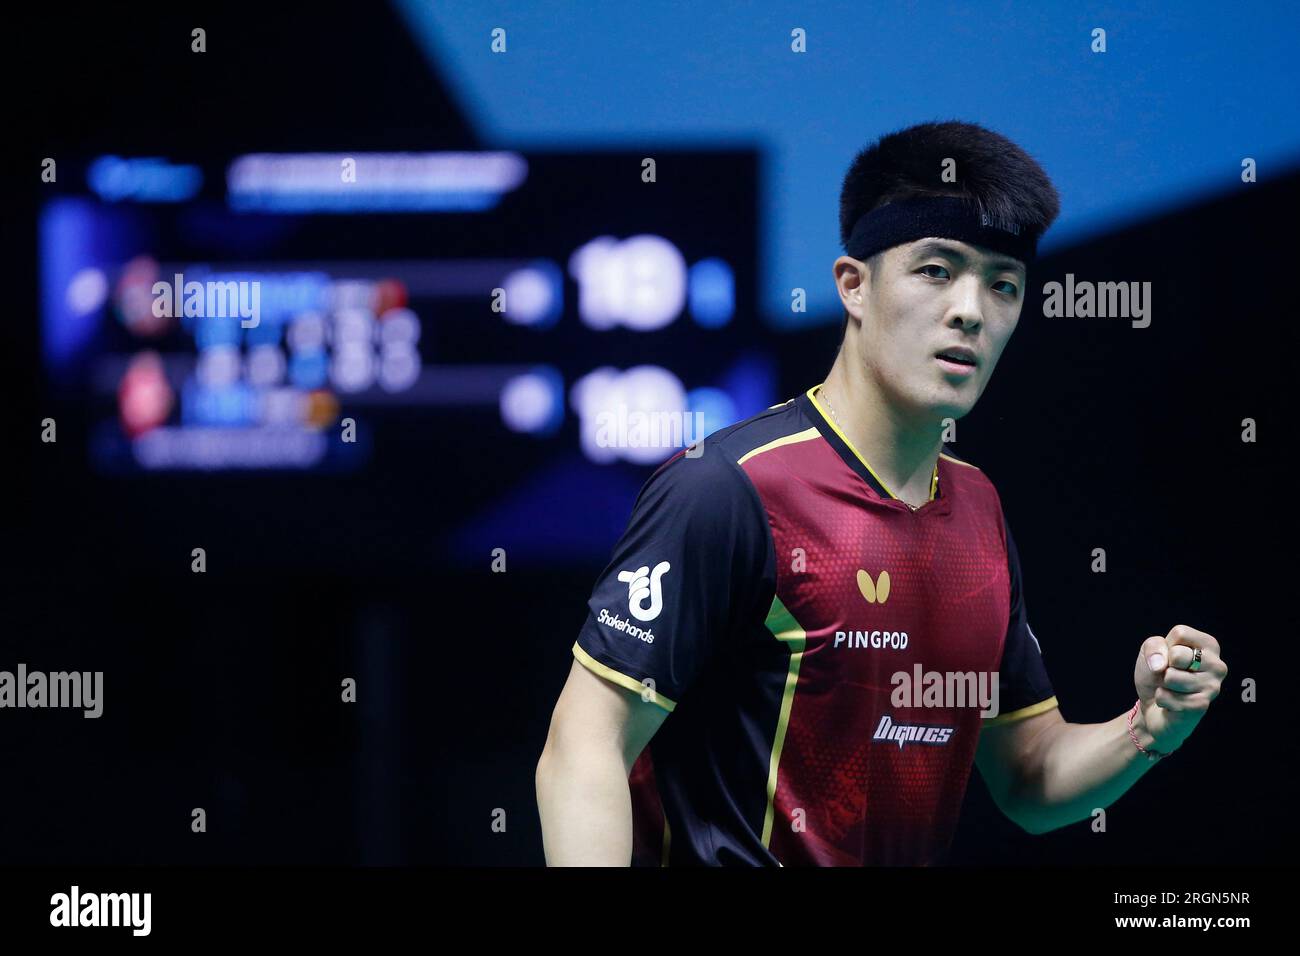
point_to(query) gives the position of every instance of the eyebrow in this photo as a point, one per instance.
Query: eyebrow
(952, 252)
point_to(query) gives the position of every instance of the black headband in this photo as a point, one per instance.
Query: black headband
(944, 217)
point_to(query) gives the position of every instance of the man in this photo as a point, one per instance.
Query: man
(783, 593)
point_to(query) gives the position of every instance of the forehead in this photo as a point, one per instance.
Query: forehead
(980, 257)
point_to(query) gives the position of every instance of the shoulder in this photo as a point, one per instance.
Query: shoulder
(705, 484)
(964, 475)
(713, 464)
(971, 484)
(949, 453)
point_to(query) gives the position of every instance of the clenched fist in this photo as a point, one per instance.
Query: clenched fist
(1173, 697)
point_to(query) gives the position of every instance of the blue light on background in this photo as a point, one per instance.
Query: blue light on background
(74, 235)
(533, 403)
(715, 405)
(712, 293)
(309, 370)
(147, 179)
(1161, 120)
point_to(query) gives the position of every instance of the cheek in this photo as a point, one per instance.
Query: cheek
(899, 365)
(1000, 344)
(893, 336)
(886, 352)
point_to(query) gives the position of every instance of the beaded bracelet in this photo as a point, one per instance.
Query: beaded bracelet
(1151, 754)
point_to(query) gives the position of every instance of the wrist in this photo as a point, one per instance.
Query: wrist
(1144, 741)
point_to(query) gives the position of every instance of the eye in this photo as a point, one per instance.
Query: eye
(940, 268)
(1011, 289)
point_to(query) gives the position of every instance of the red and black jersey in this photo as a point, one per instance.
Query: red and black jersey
(768, 592)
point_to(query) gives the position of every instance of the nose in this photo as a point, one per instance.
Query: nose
(964, 310)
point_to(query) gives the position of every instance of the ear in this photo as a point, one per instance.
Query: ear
(851, 277)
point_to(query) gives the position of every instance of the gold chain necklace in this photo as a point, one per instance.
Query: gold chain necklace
(841, 424)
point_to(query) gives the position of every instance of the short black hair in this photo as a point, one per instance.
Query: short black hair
(1000, 177)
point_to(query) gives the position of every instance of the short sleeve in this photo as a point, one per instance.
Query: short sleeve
(687, 570)
(1023, 686)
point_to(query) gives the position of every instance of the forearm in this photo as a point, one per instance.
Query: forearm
(585, 807)
(1076, 768)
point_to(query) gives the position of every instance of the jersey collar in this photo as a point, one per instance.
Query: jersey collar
(821, 417)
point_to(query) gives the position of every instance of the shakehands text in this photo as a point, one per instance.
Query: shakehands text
(623, 624)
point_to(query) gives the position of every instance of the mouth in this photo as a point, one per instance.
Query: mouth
(957, 361)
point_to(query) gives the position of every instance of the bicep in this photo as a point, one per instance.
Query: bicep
(594, 711)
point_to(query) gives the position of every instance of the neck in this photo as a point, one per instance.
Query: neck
(900, 448)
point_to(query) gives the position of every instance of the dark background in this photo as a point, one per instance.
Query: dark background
(222, 690)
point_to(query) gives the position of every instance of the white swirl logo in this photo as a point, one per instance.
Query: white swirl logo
(642, 584)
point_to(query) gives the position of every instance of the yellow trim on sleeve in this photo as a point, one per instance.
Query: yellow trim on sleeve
(668, 836)
(787, 630)
(622, 680)
(1032, 710)
(808, 434)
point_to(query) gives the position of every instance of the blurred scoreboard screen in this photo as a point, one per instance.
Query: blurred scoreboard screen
(474, 337)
